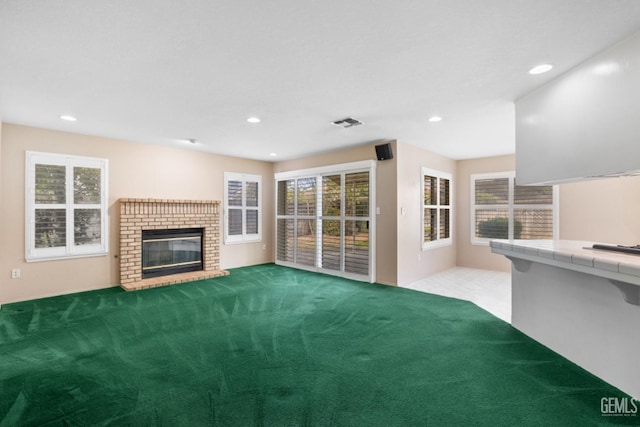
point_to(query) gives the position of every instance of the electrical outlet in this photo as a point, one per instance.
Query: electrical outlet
(15, 273)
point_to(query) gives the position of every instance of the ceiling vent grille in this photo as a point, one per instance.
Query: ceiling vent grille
(347, 122)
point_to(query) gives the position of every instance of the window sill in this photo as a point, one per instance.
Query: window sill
(437, 244)
(239, 242)
(63, 257)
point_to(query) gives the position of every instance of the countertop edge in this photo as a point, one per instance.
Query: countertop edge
(573, 255)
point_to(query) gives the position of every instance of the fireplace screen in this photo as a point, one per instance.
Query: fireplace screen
(166, 252)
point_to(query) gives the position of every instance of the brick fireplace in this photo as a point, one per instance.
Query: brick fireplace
(137, 215)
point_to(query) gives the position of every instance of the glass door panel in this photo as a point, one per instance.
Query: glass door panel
(323, 223)
(306, 242)
(356, 247)
(284, 251)
(331, 248)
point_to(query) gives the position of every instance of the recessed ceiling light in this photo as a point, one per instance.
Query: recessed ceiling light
(434, 119)
(68, 118)
(272, 154)
(253, 120)
(540, 69)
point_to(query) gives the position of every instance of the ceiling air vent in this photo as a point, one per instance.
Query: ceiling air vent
(347, 122)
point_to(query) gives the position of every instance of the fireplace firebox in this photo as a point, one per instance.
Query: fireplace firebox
(172, 251)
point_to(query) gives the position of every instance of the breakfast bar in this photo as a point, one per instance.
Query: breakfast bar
(581, 302)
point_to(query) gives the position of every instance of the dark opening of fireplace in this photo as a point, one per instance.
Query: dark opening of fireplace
(173, 251)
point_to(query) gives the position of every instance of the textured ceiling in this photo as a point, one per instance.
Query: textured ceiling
(157, 71)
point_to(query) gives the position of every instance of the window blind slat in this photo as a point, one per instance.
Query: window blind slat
(357, 194)
(534, 223)
(527, 215)
(533, 195)
(492, 223)
(234, 197)
(430, 224)
(356, 247)
(87, 227)
(331, 251)
(235, 221)
(445, 223)
(436, 214)
(86, 185)
(50, 184)
(326, 231)
(306, 242)
(67, 206)
(251, 224)
(430, 190)
(306, 196)
(493, 191)
(286, 193)
(251, 194)
(444, 192)
(284, 251)
(50, 228)
(331, 189)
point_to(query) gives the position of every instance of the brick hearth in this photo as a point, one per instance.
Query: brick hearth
(160, 214)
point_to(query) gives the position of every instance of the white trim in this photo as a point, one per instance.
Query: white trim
(245, 237)
(341, 169)
(325, 170)
(511, 176)
(438, 243)
(70, 250)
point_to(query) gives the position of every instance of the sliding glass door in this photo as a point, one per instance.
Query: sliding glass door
(323, 220)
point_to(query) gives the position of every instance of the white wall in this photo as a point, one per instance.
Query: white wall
(584, 123)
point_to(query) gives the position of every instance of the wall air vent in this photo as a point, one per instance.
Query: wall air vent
(347, 122)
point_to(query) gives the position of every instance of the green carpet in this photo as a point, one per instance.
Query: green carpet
(272, 346)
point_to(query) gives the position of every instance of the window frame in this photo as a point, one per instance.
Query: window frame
(439, 242)
(244, 237)
(70, 250)
(511, 207)
(319, 173)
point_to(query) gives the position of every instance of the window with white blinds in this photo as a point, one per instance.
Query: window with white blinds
(66, 206)
(242, 208)
(503, 210)
(323, 220)
(436, 208)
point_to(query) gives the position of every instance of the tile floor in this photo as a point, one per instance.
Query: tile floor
(490, 290)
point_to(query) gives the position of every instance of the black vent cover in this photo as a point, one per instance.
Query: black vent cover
(347, 122)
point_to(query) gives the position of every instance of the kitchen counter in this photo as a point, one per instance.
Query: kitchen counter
(620, 268)
(581, 302)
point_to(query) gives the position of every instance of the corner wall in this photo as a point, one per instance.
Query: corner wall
(413, 262)
(603, 210)
(477, 256)
(135, 171)
(386, 184)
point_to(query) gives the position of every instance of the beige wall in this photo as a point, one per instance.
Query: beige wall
(399, 256)
(386, 184)
(135, 170)
(477, 256)
(603, 210)
(413, 262)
